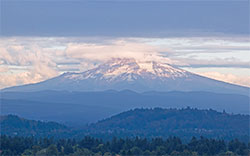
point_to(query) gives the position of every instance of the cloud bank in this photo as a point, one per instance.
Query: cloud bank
(230, 78)
(29, 60)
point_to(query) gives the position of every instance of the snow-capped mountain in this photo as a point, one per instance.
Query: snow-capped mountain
(140, 76)
(129, 70)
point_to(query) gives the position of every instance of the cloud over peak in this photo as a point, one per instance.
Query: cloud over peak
(33, 59)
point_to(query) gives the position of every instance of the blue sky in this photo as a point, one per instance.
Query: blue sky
(127, 18)
(42, 39)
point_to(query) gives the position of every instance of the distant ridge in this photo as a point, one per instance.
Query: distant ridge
(87, 107)
(139, 76)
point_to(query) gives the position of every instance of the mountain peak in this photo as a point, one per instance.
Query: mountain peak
(130, 69)
(135, 75)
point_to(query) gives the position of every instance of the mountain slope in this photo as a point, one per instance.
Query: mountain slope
(165, 122)
(120, 74)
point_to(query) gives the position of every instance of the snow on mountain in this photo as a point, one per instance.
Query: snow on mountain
(129, 69)
(140, 76)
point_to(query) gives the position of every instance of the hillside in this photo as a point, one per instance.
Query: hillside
(165, 122)
(14, 125)
(149, 123)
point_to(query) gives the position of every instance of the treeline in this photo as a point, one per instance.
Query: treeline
(88, 146)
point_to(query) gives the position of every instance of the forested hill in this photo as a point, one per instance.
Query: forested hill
(14, 125)
(149, 123)
(180, 122)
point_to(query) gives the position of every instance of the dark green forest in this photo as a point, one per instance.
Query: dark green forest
(149, 123)
(13, 125)
(183, 123)
(89, 146)
(173, 132)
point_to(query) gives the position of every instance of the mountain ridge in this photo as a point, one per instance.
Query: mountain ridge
(69, 107)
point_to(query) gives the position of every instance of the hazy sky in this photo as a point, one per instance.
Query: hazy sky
(42, 39)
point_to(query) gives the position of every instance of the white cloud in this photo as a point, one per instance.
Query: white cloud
(230, 78)
(21, 78)
(215, 62)
(119, 48)
(36, 61)
(4, 69)
(37, 73)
